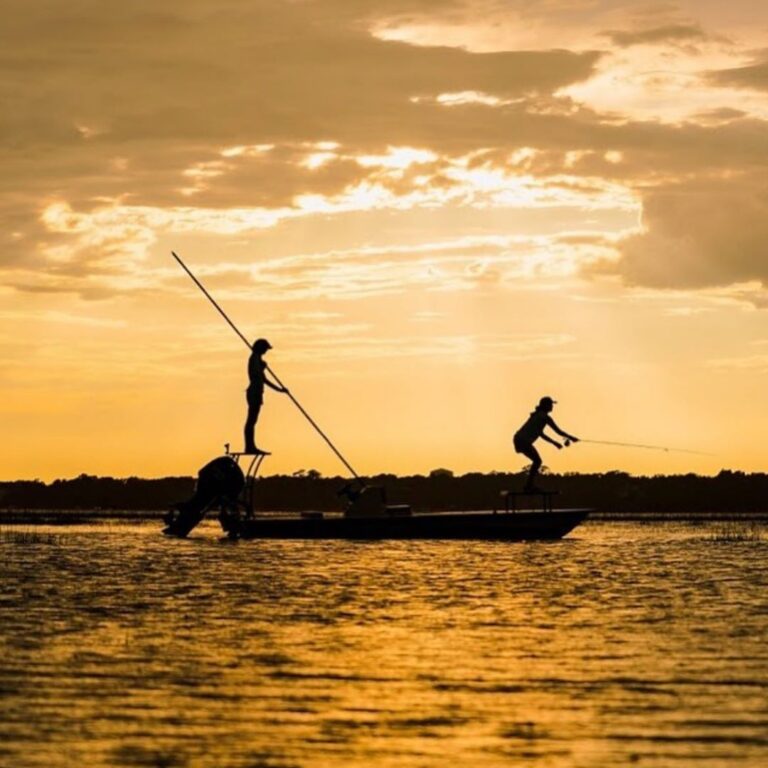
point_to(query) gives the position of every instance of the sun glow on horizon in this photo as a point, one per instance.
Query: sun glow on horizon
(455, 213)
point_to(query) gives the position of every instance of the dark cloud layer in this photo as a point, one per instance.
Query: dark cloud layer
(235, 71)
(135, 102)
(701, 234)
(118, 102)
(754, 76)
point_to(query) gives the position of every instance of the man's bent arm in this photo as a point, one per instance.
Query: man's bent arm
(274, 386)
(560, 431)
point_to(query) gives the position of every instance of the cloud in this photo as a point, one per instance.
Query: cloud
(700, 234)
(60, 318)
(134, 106)
(458, 347)
(224, 120)
(669, 33)
(450, 265)
(752, 76)
(290, 72)
(757, 363)
(720, 115)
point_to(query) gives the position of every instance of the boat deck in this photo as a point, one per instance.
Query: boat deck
(521, 525)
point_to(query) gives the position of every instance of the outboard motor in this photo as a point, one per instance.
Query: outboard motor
(219, 484)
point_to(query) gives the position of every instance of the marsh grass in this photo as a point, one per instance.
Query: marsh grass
(29, 538)
(738, 531)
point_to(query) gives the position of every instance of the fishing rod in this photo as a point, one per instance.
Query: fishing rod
(274, 375)
(644, 446)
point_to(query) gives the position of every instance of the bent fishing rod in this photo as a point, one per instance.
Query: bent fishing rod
(643, 446)
(273, 374)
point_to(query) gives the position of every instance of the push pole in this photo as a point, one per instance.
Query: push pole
(211, 299)
(273, 374)
(313, 423)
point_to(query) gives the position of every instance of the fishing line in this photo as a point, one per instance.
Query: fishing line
(646, 447)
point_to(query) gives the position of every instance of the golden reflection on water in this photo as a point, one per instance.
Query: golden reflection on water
(624, 644)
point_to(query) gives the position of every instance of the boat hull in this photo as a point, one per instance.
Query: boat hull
(484, 526)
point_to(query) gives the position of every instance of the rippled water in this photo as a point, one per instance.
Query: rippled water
(623, 644)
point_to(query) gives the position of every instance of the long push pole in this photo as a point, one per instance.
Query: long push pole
(274, 375)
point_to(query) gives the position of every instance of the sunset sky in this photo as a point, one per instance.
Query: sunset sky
(435, 212)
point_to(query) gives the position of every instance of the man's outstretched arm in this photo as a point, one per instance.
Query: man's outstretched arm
(550, 440)
(560, 432)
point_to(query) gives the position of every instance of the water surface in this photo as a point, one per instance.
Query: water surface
(623, 644)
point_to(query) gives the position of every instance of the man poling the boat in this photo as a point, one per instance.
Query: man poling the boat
(265, 369)
(257, 377)
(532, 430)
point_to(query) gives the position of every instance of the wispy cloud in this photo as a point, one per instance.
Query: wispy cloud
(758, 363)
(459, 348)
(54, 317)
(668, 33)
(753, 75)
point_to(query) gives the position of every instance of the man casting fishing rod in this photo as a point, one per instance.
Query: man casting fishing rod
(532, 430)
(257, 377)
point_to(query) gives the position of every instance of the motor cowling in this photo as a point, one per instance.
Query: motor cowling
(220, 479)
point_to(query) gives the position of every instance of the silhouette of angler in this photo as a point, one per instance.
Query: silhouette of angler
(532, 430)
(257, 377)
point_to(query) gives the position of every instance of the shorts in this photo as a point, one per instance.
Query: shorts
(254, 397)
(521, 444)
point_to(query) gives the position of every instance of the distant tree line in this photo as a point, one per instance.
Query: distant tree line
(613, 492)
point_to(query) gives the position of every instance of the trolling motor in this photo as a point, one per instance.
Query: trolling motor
(369, 501)
(362, 500)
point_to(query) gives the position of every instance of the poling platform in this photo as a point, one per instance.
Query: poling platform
(221, 484)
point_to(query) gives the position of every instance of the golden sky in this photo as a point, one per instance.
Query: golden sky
(436, 213)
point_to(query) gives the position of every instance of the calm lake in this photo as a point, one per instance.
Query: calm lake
(622, 644)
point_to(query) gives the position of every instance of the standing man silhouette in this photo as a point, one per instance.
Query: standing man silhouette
(257, 377)
(532, 430)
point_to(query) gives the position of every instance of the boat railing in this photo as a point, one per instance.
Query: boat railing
(511, 500)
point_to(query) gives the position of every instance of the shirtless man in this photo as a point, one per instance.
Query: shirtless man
(257, 377)
(532, 430)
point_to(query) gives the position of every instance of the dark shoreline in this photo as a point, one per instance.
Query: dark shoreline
(59, 517)
(727, 496)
